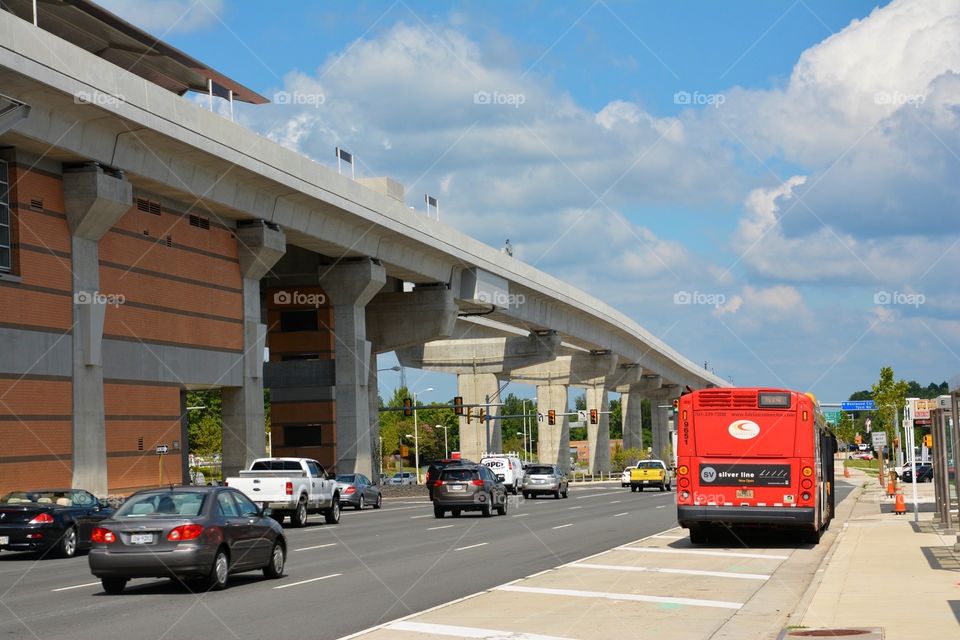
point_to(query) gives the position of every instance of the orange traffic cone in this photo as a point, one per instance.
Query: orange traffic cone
(899, 507)
(890, 489)
(846, 472)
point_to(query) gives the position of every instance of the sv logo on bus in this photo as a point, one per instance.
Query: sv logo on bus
(744, 429)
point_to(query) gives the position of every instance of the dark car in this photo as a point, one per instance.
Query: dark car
(57, 521)
(924, 473)
(201, 534)
(433, 471)
(357, 491)
(468, 488)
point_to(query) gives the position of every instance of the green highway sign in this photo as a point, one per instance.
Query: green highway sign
(832, 417)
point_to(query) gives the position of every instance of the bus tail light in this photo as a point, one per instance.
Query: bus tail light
(682, 470)
(807, 471)
(806, 483)
(805, 496)
(684, 482)
(685, 495)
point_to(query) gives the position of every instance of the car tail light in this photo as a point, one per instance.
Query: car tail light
(289, 488)
(102, 535)
(185, 532)
(349, 490)
(226, 484)
(477, 482)
(43, 518)
(438, 483)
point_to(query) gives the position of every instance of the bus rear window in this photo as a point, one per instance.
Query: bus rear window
(774, 400)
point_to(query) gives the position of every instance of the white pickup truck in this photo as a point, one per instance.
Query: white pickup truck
(291, 487)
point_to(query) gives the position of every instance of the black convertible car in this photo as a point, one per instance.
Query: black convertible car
(57, 521)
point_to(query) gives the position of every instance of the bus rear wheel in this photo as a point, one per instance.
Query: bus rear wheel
(699, 534)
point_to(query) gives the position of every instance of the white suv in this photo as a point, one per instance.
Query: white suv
(508, 469)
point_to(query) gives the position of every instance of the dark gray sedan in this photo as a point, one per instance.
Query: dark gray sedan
(201, 534)
(468, 488)
(357, 491)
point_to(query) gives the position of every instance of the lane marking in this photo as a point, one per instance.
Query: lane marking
(699, 552)
(633, 597)
(423, 516)
(294, 584)
(568, 508)
(617, 515)
(616, 501)
(597, 495)
(466, 632)
(77, 586)
(319, 546)
(446, 526)
(563, 525)
(663, 506)
(686, 572)
(472, 546)
(519, 515)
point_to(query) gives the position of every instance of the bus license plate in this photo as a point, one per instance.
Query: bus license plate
(744, 493)
(141, 538)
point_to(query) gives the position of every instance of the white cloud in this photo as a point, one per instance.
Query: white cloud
(163, 17)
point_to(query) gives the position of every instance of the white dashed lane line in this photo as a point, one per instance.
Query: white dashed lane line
(319, 546)
(77, 586)
(445, 526)
(563, 526)
(472, 546)
(423, 516)
(617, 515)
(294, 584)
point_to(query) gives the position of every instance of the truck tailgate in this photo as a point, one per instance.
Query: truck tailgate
(262, 489)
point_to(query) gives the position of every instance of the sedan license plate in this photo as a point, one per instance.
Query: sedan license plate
(458, 487)
(141, 538)
(4, 539)
(744, 493)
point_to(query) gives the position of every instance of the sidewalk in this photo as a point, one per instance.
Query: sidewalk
(886, 572)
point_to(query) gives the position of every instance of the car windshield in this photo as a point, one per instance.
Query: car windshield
(650, 464)
(40, 497)
(346, 477)
(540, 471)
(461, 475)
(171, 503)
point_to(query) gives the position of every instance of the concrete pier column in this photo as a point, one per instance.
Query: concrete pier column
(553, 442)
(631, 414)
(94, 202)
(244, 438)
(351, 285)
(661, 408)
(480, 436)
(598, 435)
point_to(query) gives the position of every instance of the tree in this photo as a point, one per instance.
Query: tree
(616, 420)
(889, 396)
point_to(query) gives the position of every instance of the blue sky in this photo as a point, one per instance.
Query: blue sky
(805, 184)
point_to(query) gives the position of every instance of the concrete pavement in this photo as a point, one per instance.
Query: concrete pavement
(887, 572)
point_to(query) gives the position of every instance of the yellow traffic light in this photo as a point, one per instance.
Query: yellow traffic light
(407, 407)
(551, 417)
(458, 406)
(594, 416)
(928, 441)
(469, 415)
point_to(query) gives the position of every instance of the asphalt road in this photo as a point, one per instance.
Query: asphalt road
(371, 568)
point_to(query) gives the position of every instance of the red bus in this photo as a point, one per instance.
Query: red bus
(753, 457)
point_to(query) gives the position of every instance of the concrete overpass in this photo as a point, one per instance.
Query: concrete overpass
(296, 224)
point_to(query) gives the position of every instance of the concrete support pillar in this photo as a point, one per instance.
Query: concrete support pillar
(553, 442)
(244, 438)
(661, 409)
(480, 436)
(350, 286)
(631, 413)
(94, 201)
(598, 435)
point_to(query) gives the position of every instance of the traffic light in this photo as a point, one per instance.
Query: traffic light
(928, 441)
(551, 417)
(594, 417)
(469, 414)
(481, 416)
(676, 406)
(458, 406)
(404, 451)
(407, 407)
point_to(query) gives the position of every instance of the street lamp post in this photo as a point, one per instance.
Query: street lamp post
(416, 433)
(446, 449)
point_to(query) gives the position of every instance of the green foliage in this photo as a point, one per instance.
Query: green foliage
(622, 458)
(205, 422)
(616, 420)
(395, 428)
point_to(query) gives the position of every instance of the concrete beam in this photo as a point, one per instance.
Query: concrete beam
(94, 200)
(574, 370)
(397, 320)
(623, 376)
(259, 247)
(484, 355)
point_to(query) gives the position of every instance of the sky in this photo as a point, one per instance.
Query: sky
(771, 187)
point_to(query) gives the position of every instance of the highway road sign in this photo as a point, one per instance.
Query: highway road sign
(879, 439)
(162, 449)
(582, 415)
(858, 405)
(833, 417)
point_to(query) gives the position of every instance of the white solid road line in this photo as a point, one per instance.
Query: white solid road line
(446, 526)
(465, 632)
(669, 537)
(472, 546)
(633, 597)
(563, 526)
(319, 546)
(617, 515)
(686, 572)
(699, 552)
(294, 584)
(77, 586)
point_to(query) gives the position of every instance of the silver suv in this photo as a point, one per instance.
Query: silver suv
(545, 478)
(468, 488)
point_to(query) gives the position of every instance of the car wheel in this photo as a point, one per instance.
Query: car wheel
(556, 494)
(502, 508)
(485, 509)
(377, 504)
(219, 572)
(565, 492)
(67, 546)
(278, 557)
(663, 488)
(332, 515)
(113, 586)
(360, 504)
(526, 495)
(299, 517)
(437, 511)
(456, 513)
